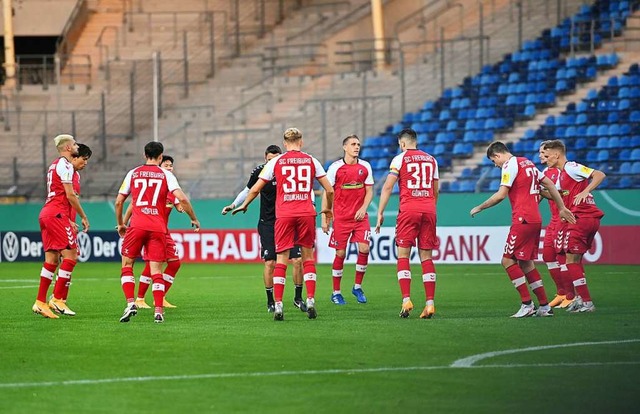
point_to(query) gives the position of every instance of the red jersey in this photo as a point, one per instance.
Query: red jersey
(553, 174)
(523, 179)
(76, 189)
(294, 172)
(149, 186)
(60, 172)
(416, 171)
(168, 207)
(349, 183)
(574, 178)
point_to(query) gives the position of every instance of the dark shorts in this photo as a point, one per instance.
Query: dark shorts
(268, 243)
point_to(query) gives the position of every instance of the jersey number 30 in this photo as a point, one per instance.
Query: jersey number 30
(421, 175)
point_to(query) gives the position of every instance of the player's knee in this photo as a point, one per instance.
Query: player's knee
(341, 253)
(507, 262)
(363, 249)
(270, 265)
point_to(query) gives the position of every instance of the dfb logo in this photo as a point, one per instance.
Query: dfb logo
(10, 246)
(84, 246)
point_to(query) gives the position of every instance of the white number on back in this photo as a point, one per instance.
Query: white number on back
(144, 184)
(298, 178)
(421, 173)
(532, 173)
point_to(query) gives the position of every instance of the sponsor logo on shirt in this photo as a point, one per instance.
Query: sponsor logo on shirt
(505, 178)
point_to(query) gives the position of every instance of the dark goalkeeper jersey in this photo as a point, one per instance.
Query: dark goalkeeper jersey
(267, 196)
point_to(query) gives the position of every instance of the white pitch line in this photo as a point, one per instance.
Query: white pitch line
(19, 287)
(469, 361)
(295, 373)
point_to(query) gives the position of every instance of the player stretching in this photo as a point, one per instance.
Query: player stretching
(58, 231)
(521, 181)
(149, 186)
(266, 231)
(173, 261)
(555, 261)
(352, 180)
(417, 175)
(294, 172)
(576, 183)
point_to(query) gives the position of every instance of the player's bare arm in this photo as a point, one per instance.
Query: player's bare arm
(496, 198)
(75, 203)
(119, 207)
(564, 212)
(327, 199)
(325, 224)
(368, 197)
(128, 214)
(436, 190)
(242, 195)
(188, 208)
(253, 193)
(597, 177)
(385, 195)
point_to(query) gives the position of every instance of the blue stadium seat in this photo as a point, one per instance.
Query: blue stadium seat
(635, 154)
(625, 168)
(635, 168)
(603, 155)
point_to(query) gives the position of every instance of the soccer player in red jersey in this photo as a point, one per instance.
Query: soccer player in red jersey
(416, 173)
(58, 231)
(173, 261)
(150, 186)
(79, 162)
(266, 230)
(576, 184)
(555, 261)
(352, 181)
(294, 172)
(521, 182)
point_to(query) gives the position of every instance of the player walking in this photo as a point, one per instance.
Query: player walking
(294, 172)
(416, 173)
(58, 231)
(149, 186)
(266, 226)
(352, 180)
(576, 184)
(521, 181)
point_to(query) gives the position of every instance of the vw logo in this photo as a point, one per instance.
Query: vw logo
(84, 246)
(10, 246)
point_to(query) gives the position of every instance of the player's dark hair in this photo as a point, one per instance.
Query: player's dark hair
(273, 149)
(344, 141)
(408, 133)
(153, 150)
(496, 147)
(167, 158)
(555, 144)
(84, 151)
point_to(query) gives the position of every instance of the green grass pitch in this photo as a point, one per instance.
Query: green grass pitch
(220, 351)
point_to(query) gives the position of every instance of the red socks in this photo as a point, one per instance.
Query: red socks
(170, 273)
(576, 272)
(128, 283)
(404, 277)
(429, 278)
(279, 277)
(361, 267)
(309, 271)
(519, 282)
(46, 277)
(158, 292)
(336, 271)
(533, 277)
